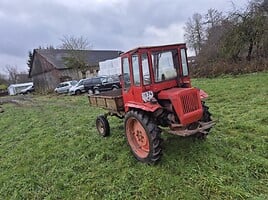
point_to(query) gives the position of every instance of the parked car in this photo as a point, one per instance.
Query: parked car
(78, 88)
(64, 87)
(27, 90)
(102, 83)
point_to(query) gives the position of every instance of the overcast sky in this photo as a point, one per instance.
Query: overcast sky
(106, 24)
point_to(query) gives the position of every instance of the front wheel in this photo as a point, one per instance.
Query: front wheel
(78, 92)
(143, 137)
(103, 126)
(205, 118)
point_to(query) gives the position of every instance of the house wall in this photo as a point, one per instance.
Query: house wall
(46, 77)
(92, 72)
(48, 81)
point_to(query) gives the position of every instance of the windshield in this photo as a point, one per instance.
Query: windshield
(73, 83)
(165, 65)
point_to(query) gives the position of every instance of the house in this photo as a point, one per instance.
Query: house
(49, 66)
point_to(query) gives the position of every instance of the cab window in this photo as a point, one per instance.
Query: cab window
(184, 63)
(136, 70)
(126, 73)
(165, 65)
(145, 69)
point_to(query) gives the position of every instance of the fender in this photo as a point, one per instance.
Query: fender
(149, 107)
(203, 94)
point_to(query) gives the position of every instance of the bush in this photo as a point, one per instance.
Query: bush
(220, 68)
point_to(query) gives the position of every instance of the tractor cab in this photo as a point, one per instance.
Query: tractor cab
(157, 78)
(155, 69)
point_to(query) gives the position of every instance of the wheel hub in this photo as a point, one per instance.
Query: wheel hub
(141, 140)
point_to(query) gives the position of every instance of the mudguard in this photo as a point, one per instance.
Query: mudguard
(149, 107)
(203, 94)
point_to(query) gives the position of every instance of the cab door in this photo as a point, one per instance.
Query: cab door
(131, 73)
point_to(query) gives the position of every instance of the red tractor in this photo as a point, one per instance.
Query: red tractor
(156, 94)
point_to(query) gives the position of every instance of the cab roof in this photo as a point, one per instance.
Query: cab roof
(161, 47)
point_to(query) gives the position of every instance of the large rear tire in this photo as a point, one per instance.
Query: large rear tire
(143, 137)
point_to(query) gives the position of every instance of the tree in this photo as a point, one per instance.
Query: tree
(213, 18)
(77, 57)
(12, 73)
(75, 43)
(249, 33)
(194, 32)
(215, 28)
(30, 60)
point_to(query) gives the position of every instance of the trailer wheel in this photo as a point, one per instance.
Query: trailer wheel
(103, 126)
(143, 137)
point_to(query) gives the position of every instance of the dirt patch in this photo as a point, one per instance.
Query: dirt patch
(16, 100)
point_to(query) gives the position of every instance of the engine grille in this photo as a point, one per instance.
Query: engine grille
(189, 102)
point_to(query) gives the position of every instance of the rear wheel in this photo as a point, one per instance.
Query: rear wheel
(103, 126)
(143, 137)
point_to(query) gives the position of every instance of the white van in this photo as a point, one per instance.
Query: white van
(64, 87)
(78, 88)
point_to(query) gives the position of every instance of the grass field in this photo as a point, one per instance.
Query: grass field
(50, 149)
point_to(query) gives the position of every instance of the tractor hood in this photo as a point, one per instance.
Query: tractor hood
(186, 103)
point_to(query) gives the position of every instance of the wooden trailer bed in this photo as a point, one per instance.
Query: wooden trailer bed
(110, 100)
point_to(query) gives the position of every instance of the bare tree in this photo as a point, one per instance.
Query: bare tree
(12, 72)
(213, 18)
(77, 57)
(194, 32)
(75, 43)
(215, 27)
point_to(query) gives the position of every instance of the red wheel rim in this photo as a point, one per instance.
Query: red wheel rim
(137, 137)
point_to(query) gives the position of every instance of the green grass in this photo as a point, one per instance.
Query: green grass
(50, 149)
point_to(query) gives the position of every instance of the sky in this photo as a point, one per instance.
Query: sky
(106, 24)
